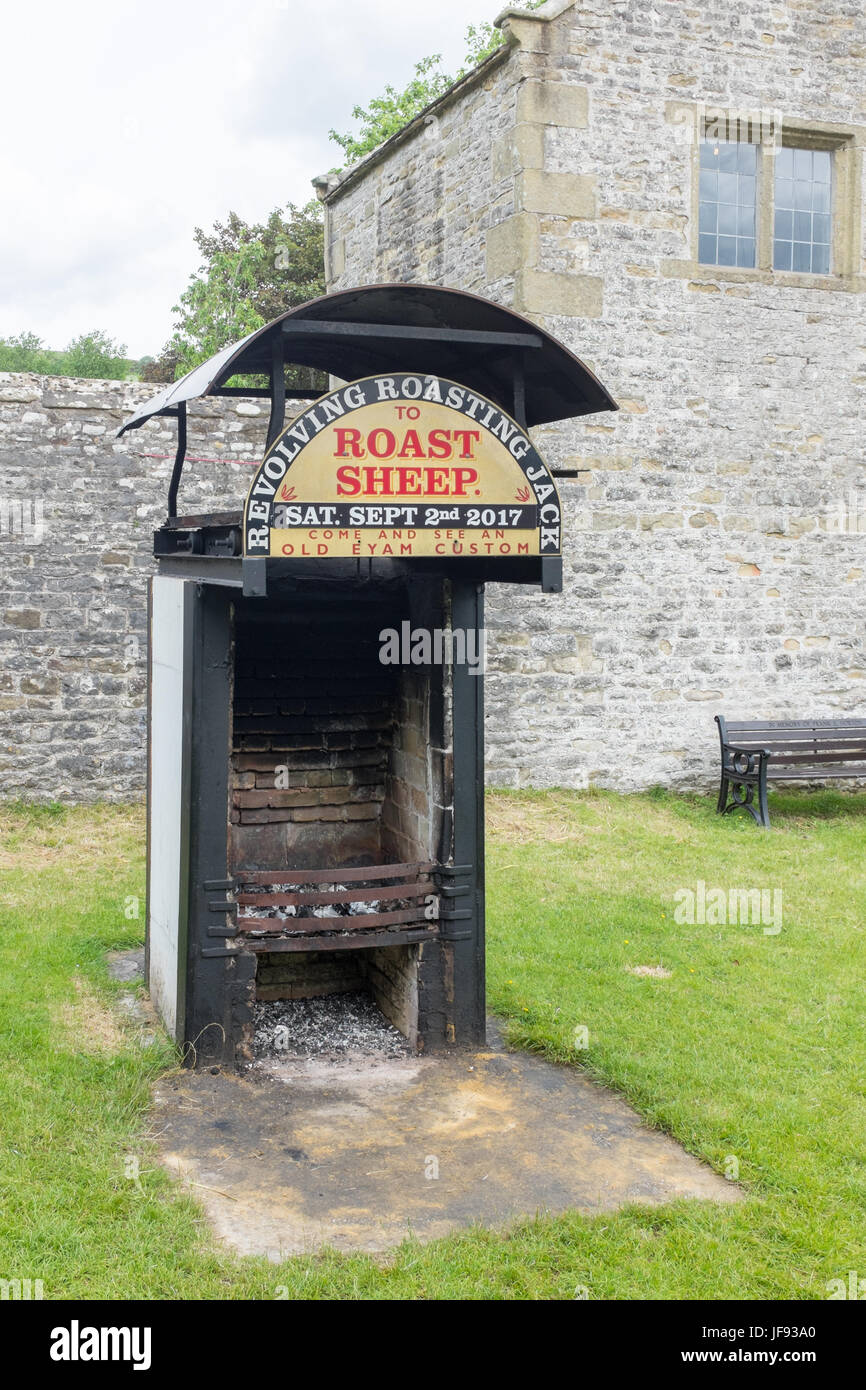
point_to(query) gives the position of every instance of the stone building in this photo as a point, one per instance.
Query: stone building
(715, 531)
(675, 190)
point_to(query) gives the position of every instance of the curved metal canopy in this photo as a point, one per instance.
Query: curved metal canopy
(403, 327)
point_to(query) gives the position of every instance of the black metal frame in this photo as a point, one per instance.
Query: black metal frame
(179, 457)
(449, 332)
(278, 391)
(744, 772)
(409, 333)
(464, 925)
(561, 385)
(314, 329)
(220, 978)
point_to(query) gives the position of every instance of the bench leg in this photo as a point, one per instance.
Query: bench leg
(723, 796)
(741, 784)
(743, 799)
(762, 797)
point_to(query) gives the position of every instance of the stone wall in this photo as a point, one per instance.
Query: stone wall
(714, 536)
(77, 512)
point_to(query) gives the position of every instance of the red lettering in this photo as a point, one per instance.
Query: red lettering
(409, 481)
(412, 447)
(466, 436)
(377, 480)
(462, 479)
(390, 443)
(406, 477)
(348, 482)
(437, 481)
(439, 444)
(348, 444)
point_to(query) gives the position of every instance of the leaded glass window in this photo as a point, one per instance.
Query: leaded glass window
(727, 203)
(803, 189)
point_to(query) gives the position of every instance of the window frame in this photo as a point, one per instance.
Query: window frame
(845, 144)
(844, 201)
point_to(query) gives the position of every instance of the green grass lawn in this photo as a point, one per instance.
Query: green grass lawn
(748, 1047)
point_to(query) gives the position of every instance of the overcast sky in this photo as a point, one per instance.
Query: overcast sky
(127, 123)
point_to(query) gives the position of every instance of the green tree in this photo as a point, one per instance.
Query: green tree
(26, 352)
(250, 273)
(483, 39)
(162, 368)
(387, 114)
(96, 355)
(89, 355)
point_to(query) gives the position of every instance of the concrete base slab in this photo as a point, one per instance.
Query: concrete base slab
(359, 1155)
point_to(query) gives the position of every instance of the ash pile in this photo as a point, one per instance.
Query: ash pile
(330, 1028)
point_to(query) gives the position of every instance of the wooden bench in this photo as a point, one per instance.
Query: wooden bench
(755, 752)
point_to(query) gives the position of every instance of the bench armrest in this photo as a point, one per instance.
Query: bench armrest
(747, 762)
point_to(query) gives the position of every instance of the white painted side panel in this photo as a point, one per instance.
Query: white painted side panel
(166, 797)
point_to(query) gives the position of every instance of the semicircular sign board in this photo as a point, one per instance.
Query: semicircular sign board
(402, 466)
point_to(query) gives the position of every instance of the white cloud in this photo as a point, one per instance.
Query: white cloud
(127, 123)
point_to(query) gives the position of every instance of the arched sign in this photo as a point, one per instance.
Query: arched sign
(402, 466)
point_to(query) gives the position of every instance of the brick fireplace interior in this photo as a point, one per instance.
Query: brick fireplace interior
(337, 763)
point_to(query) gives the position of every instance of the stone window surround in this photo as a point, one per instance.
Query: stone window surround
(846, 142)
